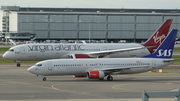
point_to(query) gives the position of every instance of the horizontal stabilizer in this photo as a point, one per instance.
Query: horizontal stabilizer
(169, 60)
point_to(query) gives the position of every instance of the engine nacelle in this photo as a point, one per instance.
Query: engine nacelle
(78, 56)
(95, 74)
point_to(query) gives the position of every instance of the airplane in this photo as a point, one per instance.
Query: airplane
(98, 68)
(39, 52)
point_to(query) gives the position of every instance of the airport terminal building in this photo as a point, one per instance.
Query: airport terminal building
(32, 23)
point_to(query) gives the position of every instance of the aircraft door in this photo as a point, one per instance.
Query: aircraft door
(21, 53)
(96, 65)
(100, 65)
(153, 64)
(50, 66)
(23, 50)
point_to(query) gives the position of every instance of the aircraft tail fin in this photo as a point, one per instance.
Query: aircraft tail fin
(165, 50)
(158, 37)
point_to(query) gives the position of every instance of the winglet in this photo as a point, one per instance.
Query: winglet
(165, 50)
(158, 37)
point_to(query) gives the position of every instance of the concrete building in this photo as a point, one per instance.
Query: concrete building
(22, 23)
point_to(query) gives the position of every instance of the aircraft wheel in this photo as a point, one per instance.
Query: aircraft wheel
(44, 78)
(109, 78)
(18, 64)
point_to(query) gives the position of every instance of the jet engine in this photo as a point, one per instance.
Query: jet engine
(95, 74)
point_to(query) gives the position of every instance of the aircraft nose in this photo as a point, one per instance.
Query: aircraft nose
(28, 69)
(6, 55)
(31, 69)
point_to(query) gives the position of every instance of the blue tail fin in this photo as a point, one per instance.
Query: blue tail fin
(165, 50)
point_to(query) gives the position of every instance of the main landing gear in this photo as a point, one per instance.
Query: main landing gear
(109, 78)
(44, 79)
(18, 63)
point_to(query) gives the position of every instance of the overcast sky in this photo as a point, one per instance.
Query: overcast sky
(136, 4)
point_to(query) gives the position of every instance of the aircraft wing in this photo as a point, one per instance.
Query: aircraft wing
(121, 68)
(108, 52)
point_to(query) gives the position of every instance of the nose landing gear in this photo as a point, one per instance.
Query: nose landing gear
(18, 63)
(43, 77)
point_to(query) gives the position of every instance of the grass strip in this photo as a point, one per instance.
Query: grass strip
(176, 57)
(172, 67)
(176, 50)
(4, 49)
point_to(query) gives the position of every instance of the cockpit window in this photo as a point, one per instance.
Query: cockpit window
(11, 50)
(38, 65)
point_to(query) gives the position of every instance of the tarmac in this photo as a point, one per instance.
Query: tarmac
(16, 83)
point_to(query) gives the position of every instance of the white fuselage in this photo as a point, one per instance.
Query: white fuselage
(82, 66)
(38, 52)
